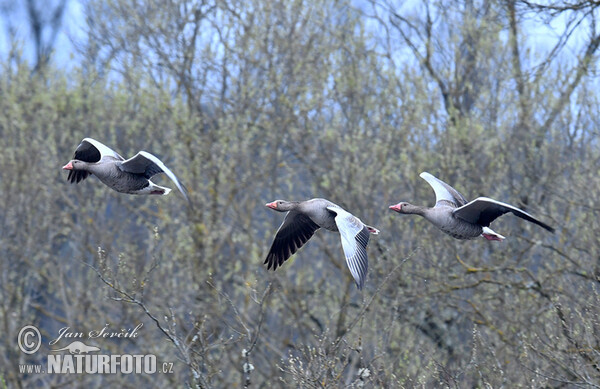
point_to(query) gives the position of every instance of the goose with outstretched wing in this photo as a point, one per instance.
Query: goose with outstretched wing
(303, 218)
(130, 176)
(459, 218)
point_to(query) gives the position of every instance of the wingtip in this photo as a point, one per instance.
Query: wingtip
(430, 178)
(190, 204)
(273, 261)
(268, 263)
(186, 194)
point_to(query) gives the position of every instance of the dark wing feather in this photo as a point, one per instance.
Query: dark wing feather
(294, 232)
(75, 176)
(141, 164)
(87, 152)
(149, 165)
(92, 151)
(483, 211)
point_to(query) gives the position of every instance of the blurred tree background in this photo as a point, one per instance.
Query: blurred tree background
(252, 101)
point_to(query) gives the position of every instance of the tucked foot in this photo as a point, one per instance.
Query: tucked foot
(492, 237)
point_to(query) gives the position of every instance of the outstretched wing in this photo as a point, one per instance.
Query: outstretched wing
(355, 237)
(444, 193)
(148, 165)
(91, 151)
(484, 210)
(294, 232)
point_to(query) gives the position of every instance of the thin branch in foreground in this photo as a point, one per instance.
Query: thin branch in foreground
(247, 366)
(368, 303)
(126, 297)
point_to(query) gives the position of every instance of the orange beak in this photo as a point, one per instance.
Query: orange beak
(68, 166)
(272, 205)
(396, 207)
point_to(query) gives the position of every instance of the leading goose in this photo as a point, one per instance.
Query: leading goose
(305, 217)
(130, 176)
(459, 218)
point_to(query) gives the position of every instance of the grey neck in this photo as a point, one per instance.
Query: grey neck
(411, 209)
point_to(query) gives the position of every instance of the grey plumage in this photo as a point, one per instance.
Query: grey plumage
(305, 217)
(130, 176)
(459, 218)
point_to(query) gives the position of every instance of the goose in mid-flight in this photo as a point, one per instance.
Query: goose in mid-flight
(130, 176)
(459, 218)
(305, 217)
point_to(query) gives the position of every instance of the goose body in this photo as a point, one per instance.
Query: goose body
(303, 218)
(131, 176)
(459, 218)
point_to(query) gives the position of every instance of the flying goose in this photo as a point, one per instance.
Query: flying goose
(305, 217)
(459, 218)
(130, 176)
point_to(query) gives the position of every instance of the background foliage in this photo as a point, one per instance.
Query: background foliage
(252, 101)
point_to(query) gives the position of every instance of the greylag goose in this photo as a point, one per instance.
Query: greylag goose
(305, 217)
(130, 176)
(459, 218)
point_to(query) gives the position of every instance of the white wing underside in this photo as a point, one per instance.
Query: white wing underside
(355, 238)
(442, 192)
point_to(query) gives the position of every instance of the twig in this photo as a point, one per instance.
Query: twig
(368, 304)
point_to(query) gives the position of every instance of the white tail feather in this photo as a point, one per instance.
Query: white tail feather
(167, 190)
(153, 189)
(489, 233)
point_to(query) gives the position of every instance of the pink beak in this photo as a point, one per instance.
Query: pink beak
(68, 166)
(396, 207)
(272, 205)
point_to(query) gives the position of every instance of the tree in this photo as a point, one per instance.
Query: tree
(44, 20)
(252, 102)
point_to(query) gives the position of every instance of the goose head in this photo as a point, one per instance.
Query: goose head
(406, 208)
